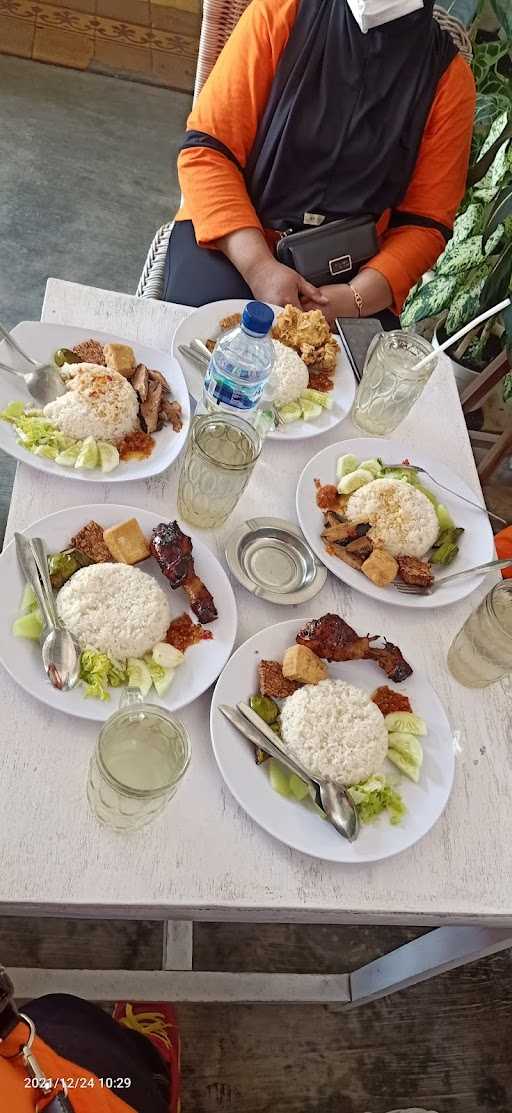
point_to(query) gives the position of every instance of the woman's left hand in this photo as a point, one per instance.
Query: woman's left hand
(340, 302)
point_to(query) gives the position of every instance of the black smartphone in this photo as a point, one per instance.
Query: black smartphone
(356, 334)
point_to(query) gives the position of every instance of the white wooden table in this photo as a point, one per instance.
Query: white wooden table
(205, 859)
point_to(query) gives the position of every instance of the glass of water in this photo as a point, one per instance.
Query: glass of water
(389, 385)
(221, 452)
(141, 755)
(481, 653)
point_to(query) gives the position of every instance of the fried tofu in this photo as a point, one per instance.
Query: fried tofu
(272, 683)
(380, 567)
(121, 358)
(126, 542)
(302, 665)
(90, 541)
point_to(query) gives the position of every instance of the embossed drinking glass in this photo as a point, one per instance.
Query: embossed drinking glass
(141, 755)
(481, 652)
(221, 452)
(389, 385)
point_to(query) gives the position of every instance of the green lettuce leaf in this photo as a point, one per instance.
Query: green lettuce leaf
(99, 673)
(377, 795)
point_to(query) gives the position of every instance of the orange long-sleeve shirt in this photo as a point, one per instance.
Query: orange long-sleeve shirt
(230, 108)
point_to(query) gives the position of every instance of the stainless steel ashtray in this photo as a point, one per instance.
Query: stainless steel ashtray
(271, 558)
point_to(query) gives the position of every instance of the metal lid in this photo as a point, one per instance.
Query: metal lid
(271, 558)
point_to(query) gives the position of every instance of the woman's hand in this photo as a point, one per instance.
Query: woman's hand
(274, 282)
(339, 302)
(268, 279)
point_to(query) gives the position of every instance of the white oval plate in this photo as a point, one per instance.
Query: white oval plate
(41, 340)
(203, 662)
(204, 323)
(295, 824)
(476, 545)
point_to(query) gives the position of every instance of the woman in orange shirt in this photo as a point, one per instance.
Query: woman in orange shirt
(329, 108)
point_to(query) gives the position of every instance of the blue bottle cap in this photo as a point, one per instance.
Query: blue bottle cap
(258, 317)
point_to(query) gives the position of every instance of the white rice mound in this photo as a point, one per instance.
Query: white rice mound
(402, 519)
(335, 731)
(288, 378)
(100, 403)
(114, 608)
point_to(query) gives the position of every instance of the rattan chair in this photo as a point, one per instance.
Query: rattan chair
(219, 19)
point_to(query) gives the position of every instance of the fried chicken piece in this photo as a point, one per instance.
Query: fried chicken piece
(388, 701)
(272, 683)
(352, 559)
(173, 550)
(231, 321)
(333, 639)
(330, 355)
(89, 540)
(140, 381)
(157, 377)
(414, 571)
(150, 408)
(362, 547)
(312, 356)
(391, 660)
(332, 517)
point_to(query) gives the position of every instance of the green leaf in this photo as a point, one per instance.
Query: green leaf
(460, 257)
(500, 210)
(498, 280)
(494, 241)
(465, 10)
(465, 304)
(503, 13)
(468, 223)
(431, 298)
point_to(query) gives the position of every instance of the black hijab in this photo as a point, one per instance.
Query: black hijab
(343, 124)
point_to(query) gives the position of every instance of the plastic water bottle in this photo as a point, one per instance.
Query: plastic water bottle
(241, 364)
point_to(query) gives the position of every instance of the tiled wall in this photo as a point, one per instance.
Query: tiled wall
(153, 40)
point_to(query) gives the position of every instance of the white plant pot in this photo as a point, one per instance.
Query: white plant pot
(463, 375)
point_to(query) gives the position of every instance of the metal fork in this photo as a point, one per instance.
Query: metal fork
(475, 505)
(416, 589)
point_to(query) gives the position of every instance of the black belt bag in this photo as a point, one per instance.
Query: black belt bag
(332, 252)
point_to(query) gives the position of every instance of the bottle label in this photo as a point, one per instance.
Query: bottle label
(224, 392)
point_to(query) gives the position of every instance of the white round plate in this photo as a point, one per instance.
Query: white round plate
(41, 340)
(203, 662)
(476, 544)
(203, 323)
(297, 825)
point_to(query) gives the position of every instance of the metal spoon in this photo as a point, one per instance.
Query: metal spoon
(60, 650)
(44, 383)
(334, 801)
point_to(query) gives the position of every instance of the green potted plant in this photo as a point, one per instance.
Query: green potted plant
(475, 270)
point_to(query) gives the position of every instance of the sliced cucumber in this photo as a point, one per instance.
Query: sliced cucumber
(444, 517)
(405, 721)
(88, 457)
(405, 765)
(29, 625)
(139, 675)
(408, 745)
(167, 656)
(354, 480)
(108, 456)
(68, 458)
(322, 398)
(290, 412)
(298, 787)
(162, 683)
(310, 410)
(346, 464)
(374, 466)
